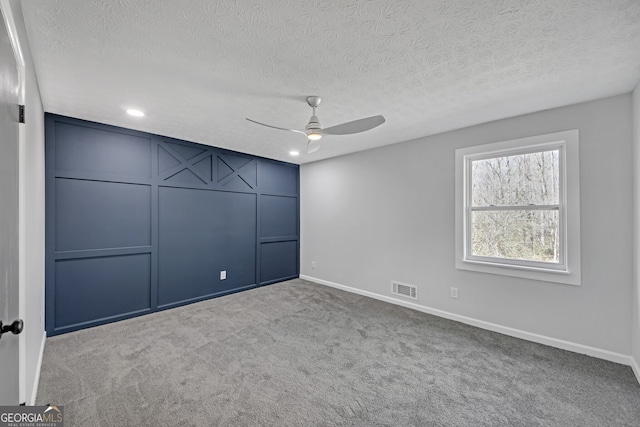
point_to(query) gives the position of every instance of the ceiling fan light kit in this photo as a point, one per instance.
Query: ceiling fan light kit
(314, 132)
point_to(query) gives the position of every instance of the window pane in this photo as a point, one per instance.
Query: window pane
(531, 235)
(518, 180)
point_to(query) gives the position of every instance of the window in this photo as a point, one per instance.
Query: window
(513, 207)
(517, 208)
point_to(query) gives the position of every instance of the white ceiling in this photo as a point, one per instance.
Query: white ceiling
(199, 67)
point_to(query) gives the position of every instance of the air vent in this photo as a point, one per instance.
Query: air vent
(404, 290)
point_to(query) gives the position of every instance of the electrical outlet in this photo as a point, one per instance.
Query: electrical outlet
(223, 275)
(454, 292)
(313, 265)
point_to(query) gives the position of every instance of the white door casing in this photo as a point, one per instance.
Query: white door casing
(9, 215)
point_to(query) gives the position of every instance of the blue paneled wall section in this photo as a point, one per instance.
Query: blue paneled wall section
(138, 223)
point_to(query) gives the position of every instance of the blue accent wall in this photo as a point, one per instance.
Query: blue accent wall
(137, 223)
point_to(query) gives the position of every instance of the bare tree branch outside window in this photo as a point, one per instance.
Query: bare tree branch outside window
(515, 202)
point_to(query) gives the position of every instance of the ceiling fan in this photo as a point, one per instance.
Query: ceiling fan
(314, 132)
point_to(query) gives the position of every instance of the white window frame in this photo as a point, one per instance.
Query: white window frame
(567, 270)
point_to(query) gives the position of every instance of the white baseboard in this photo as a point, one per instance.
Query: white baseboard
(636, 368)
(541, 339)
(36, 380)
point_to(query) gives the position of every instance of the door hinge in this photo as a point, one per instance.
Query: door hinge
(20, 113)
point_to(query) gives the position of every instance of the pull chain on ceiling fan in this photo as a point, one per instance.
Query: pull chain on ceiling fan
(314, 132)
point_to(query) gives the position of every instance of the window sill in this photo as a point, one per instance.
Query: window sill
(533, 273)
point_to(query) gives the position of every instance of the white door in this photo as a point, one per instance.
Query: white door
(9, 205)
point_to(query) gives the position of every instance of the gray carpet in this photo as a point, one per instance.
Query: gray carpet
(301, 354)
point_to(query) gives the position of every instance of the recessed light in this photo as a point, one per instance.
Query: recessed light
(135, 113)
(294, 153)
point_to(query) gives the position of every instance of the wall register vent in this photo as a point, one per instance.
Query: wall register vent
(404, 290)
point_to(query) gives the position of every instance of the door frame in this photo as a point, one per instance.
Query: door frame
(7, 12)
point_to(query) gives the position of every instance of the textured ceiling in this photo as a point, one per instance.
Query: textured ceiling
(199, 67)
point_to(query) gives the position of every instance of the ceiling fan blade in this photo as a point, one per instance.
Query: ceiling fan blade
(313, 146)
(276, 127)
(355, 126)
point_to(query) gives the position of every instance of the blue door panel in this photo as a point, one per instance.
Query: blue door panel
(92, 289)
(89, 149)
(278, 216)
(201, 233)
(278, 261)
(97, 214)
(278, 178)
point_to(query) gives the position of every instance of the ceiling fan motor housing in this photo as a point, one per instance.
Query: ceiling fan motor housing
(314, 124)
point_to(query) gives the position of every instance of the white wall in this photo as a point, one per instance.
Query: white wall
(32, 282)
(635, 325)
(388, 214)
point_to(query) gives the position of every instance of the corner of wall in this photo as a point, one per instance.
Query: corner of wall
(635, 326)
(636, 368)
(31, 401)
